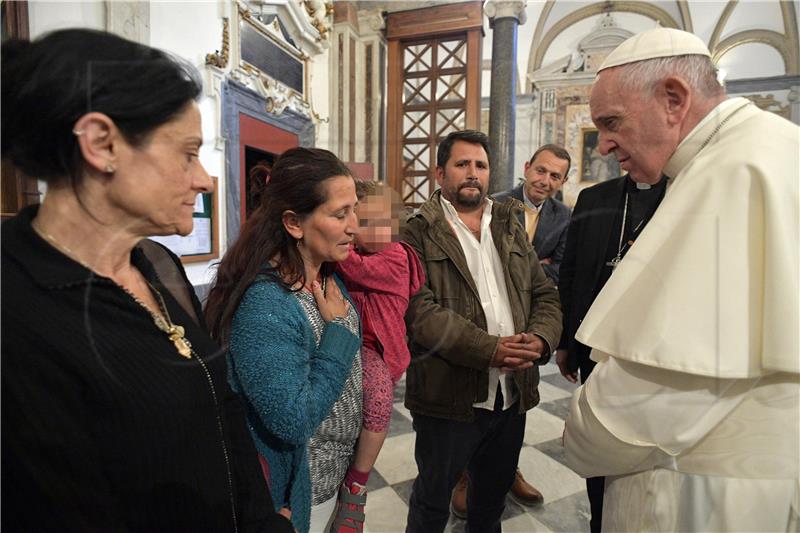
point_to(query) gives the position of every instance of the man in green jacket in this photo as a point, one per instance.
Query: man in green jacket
(485, 315)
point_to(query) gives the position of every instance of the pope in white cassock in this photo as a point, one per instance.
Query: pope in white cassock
(692, 409)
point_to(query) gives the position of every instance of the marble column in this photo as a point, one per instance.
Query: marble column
(504, 17)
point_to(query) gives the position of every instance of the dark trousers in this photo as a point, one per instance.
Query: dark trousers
(595, 486)
(489, 449)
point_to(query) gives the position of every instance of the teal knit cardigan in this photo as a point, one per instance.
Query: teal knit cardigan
(288, 383)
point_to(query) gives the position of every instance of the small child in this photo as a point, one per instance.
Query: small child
(381, 274)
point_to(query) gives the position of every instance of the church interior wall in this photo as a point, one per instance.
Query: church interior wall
(48, 16)
(751, 60)
(346, 96)
(192, 38)
(320, 74)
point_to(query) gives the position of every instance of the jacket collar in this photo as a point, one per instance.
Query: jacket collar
(432, 210)
(517, 193)
(442, 234)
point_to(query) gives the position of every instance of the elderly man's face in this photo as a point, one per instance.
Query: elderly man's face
(632, 126)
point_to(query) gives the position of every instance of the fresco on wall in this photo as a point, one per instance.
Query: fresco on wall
(596, 167)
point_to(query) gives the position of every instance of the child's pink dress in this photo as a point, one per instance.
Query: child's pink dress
(380, 285)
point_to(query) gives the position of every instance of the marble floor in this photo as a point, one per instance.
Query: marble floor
(542, 462)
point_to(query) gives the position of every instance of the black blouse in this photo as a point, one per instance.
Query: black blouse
(104, 425)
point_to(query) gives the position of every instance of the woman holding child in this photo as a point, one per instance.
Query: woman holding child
(292, 333)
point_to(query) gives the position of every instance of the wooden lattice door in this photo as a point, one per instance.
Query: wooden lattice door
(434, 89)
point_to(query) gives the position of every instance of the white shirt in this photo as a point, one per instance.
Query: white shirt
(487, 271)
(533, 207)
(527, 202)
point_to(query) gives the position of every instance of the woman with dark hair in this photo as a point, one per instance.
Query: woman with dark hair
(117, 415)
(292, 334)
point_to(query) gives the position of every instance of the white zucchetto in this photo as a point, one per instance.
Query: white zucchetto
(654, 43)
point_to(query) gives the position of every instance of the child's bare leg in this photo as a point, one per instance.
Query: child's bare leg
(369, 446)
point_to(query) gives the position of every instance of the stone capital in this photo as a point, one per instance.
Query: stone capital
(371, 21)
(496, 9)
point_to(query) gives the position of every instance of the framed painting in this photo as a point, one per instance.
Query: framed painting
(594, 166)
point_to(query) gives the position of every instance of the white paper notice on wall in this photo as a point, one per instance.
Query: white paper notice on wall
(196, 243)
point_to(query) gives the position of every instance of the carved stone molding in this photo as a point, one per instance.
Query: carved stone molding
(794, 103)
(579, 67)
(215, 77)
(220, 57)
(496, 9)
(371, 22)
(785, 43)
(541, 43)
(277, 97)
(277, 19)
(721, 22)
(770, 103)
(308, 22)
(768, 37)
(686, 16)
(320, 13)
(129, 19)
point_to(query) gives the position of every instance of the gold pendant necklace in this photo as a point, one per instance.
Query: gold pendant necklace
(176, 333)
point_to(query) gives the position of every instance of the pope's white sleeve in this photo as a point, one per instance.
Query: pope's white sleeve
(629, 417)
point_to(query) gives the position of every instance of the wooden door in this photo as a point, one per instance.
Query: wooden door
(434, 88)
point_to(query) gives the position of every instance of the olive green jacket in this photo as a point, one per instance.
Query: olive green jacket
(450, 348)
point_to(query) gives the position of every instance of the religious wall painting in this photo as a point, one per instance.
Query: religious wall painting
(577, 119)
(570, 97)
(548, 128)
(594, 166)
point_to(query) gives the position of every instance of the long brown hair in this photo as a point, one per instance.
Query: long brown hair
(264, 247)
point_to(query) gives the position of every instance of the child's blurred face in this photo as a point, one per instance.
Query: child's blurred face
(377, 225)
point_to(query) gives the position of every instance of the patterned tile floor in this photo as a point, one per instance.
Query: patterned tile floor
(542, 462)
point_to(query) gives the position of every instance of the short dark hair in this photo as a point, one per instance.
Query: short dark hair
(49, 83)
(558, 151)
(470, 136)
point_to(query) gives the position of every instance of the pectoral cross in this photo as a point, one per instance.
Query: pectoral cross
(614, 263)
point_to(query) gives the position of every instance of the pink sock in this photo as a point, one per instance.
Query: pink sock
(354, 476)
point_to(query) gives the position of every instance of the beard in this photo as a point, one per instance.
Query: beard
(470, 199)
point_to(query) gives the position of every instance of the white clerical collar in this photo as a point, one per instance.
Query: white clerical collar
(530, 204)
(452, 217)
(694, 141)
